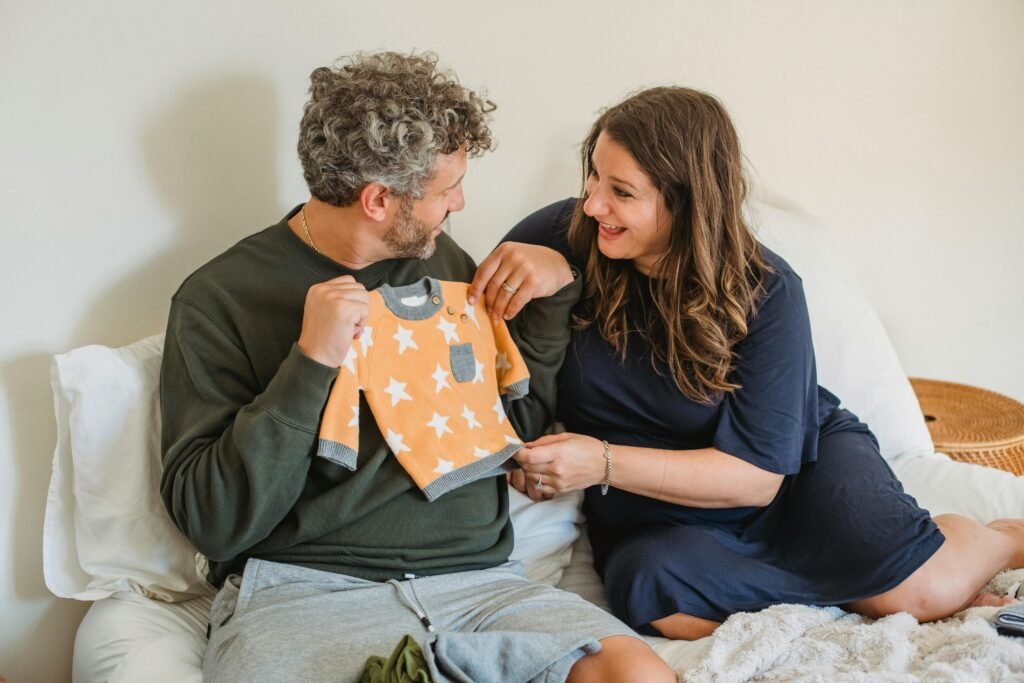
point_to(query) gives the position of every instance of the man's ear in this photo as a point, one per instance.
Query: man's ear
(374, 199)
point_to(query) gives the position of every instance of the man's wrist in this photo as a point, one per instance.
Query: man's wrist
(315, 357)
(299, 389)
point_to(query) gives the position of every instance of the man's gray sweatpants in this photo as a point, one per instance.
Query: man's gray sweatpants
(283, 622)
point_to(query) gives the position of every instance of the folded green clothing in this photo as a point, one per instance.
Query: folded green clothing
(1010, 620)
(405, 665)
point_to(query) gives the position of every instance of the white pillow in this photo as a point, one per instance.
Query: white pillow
(106, 529)
(942, 485)
(856, 360)
(545, 532)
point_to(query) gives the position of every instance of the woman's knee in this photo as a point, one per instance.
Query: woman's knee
(649, 574)
(684, 627)
(951, 578)
(927, 594)
(918, 597)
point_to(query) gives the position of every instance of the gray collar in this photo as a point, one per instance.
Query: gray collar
(428, 289)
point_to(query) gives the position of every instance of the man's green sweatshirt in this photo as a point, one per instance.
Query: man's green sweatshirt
(241, 409)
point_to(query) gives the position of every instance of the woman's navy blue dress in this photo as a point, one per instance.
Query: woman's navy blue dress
(841, 527)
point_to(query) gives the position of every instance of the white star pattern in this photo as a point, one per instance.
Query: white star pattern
(405, 340)
(511, 439)
(396, 390)
(354, 422)
(501, 362)
(499, 410)
(448, 328)
(350, 359)
(440, 424)
(395, 442)
(471, 314)
(470, 417)
(366, 339)
(479, 377)
(444, 466)
(441, 378)
(480, 452)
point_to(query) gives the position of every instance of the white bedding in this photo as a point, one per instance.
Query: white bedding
(128, 637)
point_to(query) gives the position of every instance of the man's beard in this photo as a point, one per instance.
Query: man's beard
(408, 237)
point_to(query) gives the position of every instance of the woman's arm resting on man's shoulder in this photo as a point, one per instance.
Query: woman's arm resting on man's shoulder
(514, 274)
(706, 477)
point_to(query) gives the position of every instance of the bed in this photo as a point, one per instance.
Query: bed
(108, 540)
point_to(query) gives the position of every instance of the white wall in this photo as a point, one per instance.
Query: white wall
(139, 139)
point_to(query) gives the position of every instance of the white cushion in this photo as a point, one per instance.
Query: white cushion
(106, 529)
(942, 485)
(544, 533)
(856, 361)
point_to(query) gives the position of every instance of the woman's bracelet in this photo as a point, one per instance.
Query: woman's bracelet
(607, 468)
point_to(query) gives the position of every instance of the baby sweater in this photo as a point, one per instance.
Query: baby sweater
(433, 371)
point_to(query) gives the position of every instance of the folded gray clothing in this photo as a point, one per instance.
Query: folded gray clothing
(1010, 620)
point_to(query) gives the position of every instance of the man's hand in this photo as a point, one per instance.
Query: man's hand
(527, 271)
(334, 315)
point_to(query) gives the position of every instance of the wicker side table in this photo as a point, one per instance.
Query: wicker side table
(973, 425)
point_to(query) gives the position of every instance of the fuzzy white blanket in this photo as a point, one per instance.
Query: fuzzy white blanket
(792, 642)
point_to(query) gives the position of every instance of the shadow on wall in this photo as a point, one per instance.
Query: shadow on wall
(211, 156)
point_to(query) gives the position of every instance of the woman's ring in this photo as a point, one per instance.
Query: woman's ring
(540, 481)
(510, 289)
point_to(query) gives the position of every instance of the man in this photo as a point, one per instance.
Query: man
(319, 566)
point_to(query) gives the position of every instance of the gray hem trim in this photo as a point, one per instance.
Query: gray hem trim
(517, 390)
(428, 286)
(338, 453)
(489, 466)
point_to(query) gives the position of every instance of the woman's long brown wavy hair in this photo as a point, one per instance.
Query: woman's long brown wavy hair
(705, 288)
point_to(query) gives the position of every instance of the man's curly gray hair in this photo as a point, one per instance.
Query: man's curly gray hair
(384, 117)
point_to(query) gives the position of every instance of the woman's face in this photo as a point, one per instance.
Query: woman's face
(633, 221)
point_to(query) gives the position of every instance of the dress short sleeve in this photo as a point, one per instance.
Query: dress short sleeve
(771, 421)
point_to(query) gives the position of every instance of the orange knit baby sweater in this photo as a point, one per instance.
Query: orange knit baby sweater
(433, 370)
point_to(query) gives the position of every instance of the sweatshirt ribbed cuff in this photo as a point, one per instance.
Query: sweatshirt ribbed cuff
(549, 317)
(299, 390)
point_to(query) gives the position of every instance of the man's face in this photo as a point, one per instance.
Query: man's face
(418, 222)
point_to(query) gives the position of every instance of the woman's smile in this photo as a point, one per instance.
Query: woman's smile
(610, 232)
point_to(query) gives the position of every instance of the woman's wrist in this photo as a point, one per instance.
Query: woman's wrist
(606, 454)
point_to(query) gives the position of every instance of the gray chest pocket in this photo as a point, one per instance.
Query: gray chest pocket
(463, 362)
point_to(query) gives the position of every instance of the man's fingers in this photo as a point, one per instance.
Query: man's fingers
(339, 280)
(517, 479)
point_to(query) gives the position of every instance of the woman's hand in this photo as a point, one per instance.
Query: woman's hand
(515, 273)
(558, 463)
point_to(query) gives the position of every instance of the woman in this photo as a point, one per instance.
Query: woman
(719, 477)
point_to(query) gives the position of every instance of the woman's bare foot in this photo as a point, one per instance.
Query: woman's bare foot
(991, 600)
(1014, 528)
